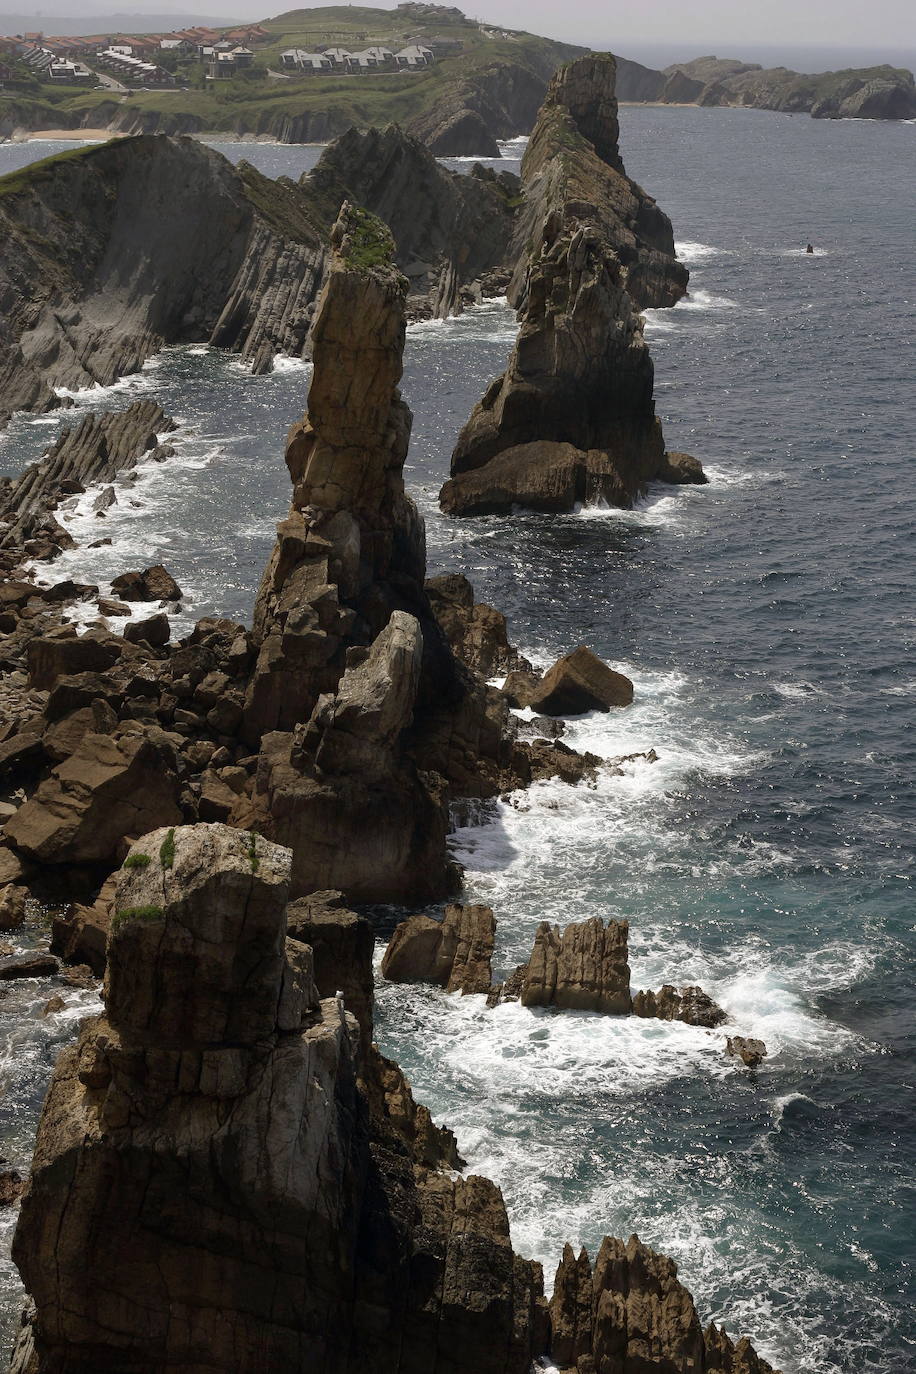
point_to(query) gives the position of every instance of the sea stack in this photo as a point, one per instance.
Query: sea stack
(572, 420)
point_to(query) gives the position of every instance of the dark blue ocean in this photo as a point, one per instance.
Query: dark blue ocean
(768, 622)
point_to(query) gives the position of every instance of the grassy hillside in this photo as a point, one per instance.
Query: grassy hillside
(306, 106)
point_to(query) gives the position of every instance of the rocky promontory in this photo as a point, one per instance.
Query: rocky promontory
(572, 419)
(115, 250)
(228, 1176)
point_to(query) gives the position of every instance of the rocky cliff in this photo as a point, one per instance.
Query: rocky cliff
(572, 419)
(451, 232)
(883, 92)
(112, 251)
(229, 1177)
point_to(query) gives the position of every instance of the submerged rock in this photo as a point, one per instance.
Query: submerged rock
(690, 1004)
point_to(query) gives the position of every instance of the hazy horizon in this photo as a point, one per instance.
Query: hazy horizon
(781, 32)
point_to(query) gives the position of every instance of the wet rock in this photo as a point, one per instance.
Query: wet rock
(751, 1052)
(453, 953)
(580, 682)
(690, 1004)
(682, 469)
(12, 906)
(53, 1006)
(108, 606)
(582, 968)
(153, 584)
(28, 966)
(155, 631)
(629, 1314)
(12, 1186)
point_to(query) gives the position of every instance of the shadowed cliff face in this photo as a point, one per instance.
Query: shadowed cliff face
(113, 251)
(448, 229)
(572, 419)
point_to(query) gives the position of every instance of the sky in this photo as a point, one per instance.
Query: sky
(652, 31)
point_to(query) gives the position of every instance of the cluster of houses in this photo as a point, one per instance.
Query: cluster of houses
(374, 59)
(132, 59)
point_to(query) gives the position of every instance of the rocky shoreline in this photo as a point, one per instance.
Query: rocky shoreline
(228, 1175)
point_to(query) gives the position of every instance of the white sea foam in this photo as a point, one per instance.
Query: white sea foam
(690, 252)
(699, 299)
(284, 363)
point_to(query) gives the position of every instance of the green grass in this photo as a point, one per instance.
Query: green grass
(369, 241)
(137, 861)
(258, 105)
(136, 913)
(167, 850)
(25, 178)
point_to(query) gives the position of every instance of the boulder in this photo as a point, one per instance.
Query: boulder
(28, 966)
(690, 1004)
(110, 787)
(682, 469)
(155, 631)
(582, 968)
(580, 682)
(53, 656)
(477, 633)
(81, 933)
(12, 906)
(751, 1052)
(152, 584)
(454, 953)
(12, 1186)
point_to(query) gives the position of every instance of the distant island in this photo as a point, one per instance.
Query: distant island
(457, 84)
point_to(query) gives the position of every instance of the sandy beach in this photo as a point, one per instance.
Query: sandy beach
(74, 135)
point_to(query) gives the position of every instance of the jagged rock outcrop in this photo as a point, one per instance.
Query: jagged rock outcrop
(475, 109)
(577, 682)
(476, 632)
(572, 419)
(449, 230)
(453, 953)
(750, 1051)
(690, 1004)
(629, 1314)
(109, 787)
(217, 1142)
(572, 163)
(115, 250)
(95, 451)
(582, 968)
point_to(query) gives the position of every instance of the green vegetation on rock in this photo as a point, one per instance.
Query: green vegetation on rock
(136, 913)
(369, 242)
(137, 861)
(167, 850)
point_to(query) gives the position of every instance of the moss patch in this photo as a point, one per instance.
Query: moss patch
(137, 861)
(369, 242)
(167, 850)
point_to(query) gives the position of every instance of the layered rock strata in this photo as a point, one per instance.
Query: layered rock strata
(229, 1177)
(96, 451)
(452, 233)
(454, 953)
(572, 420)
(629, 1314)
(115, 250)
(219, 1143)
